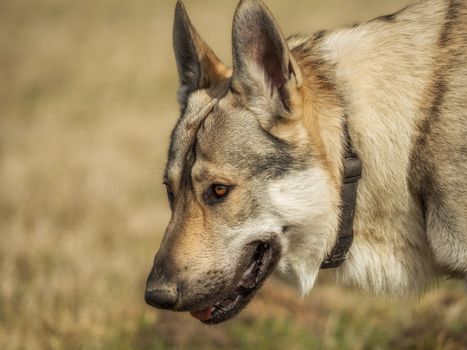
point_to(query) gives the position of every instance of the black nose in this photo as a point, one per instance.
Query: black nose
(162, 296)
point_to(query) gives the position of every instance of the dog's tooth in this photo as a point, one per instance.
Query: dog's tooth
(246, 281)
(250, 269)
(248, 284)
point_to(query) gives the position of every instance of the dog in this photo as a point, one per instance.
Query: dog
(258, 158)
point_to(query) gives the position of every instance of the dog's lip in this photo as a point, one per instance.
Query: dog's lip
(248, 284)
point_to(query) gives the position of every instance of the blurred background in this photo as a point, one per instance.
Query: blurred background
(87, 102)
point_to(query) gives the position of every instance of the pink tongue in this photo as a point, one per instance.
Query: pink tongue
(202, 315)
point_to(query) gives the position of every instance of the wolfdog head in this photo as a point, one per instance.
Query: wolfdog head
(249, 185)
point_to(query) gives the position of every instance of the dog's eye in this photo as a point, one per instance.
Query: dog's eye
(170, 194)
(216, 193)
(220, 190)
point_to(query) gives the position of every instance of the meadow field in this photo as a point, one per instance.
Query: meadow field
(87, 102)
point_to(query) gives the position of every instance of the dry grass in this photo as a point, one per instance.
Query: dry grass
(86, 106)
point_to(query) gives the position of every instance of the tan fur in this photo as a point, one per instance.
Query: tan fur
(383, 132)
(273, 130)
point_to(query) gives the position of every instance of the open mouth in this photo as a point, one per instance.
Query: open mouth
(260, 267)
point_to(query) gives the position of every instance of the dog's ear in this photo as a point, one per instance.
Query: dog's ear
(198, 66)
(263, 65)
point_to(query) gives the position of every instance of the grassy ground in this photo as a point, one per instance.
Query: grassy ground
(87, 101)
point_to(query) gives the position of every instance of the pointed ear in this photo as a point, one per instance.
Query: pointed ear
(198, 66)
(263, 64)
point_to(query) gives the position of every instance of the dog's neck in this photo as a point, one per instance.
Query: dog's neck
(390, 254)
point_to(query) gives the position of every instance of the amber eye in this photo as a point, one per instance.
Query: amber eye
(216, 193)
(220, 190)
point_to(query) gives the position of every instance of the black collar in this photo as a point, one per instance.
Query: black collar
(352, 173)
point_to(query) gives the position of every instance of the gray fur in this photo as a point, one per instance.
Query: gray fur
(272, 130)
